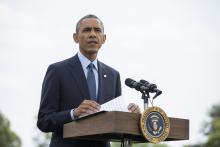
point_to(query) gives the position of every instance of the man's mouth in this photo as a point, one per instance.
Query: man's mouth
(92, 42)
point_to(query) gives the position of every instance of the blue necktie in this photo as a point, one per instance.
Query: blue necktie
(91, 82)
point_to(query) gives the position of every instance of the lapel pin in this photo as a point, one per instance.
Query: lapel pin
(105, 76)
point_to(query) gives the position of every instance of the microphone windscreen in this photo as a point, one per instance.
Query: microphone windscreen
(144, 82)
(129, 82)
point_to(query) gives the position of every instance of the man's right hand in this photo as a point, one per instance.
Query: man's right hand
(86, 107)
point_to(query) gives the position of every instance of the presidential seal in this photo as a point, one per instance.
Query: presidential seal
(154, 125)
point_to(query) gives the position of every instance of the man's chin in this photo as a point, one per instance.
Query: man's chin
(93, 51)
(90, 51)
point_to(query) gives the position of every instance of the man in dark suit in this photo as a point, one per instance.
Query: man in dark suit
(78, 85)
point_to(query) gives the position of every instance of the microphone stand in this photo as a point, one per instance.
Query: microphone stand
(126, 142)
(145, 96)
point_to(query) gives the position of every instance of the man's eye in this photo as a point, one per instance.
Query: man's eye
(86, 30)
(98, 30)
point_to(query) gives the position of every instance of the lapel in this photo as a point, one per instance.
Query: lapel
(102, 82)
(79, 76)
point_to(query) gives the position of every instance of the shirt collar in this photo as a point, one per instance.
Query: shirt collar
(85, 61)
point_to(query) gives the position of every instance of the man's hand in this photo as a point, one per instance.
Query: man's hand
(86, 107)
(133, 108)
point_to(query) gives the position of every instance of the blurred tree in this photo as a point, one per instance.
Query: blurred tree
(118, 144)
(211, 129)
(41, 139)
(195, 145)
(7, 137)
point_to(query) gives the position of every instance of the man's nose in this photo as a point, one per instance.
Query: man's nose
(92, 33)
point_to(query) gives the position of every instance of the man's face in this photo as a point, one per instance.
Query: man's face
(90, 36)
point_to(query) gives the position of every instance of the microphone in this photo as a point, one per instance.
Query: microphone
(133, 84)
(143, 86)
(136, 85)
(152, 88)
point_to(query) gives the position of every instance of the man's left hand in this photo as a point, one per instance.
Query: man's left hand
(133, 108)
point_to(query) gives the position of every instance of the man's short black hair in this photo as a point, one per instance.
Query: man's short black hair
(85, 17)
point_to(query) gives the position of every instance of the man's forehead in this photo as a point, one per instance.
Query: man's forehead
(91, 22)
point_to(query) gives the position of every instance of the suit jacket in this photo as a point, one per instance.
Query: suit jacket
(64, 88)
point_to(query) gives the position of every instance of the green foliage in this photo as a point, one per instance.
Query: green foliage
(211, 129)
(7, 137)
(41, 139)
(214, 127)
(195, 145)
(118, 144)
(215, 111)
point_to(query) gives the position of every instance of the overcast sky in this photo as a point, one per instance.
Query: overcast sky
(173, 43)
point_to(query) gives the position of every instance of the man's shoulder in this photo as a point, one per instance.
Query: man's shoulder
(107, 68)
(63, 63)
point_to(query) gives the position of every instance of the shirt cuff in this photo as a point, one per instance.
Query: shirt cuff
(71, 114)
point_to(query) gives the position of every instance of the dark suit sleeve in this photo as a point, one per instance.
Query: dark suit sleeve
(118, 85)
(50, 117)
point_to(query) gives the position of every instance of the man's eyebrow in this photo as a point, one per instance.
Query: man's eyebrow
(96, 28)
(87, 27)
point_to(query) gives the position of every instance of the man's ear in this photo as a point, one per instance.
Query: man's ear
(75, 37)
(104, 38)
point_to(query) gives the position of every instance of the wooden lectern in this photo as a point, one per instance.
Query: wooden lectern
(115, 126)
